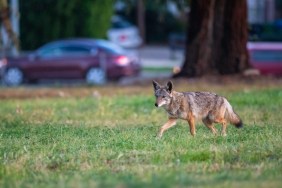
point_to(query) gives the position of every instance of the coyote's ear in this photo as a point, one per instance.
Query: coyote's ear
(156, 85)
(169, 86)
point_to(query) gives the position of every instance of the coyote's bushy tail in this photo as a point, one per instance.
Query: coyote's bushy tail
(232, 117)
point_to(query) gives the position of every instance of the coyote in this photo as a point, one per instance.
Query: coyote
(209, 107)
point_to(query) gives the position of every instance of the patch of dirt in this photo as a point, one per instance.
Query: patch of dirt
(209, 83)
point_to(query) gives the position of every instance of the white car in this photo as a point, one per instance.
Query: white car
(124, 33)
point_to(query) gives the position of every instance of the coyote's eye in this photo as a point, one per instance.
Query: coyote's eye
(163, 97)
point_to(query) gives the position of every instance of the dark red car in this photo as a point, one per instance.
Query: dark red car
(266, 57)
(96, 61)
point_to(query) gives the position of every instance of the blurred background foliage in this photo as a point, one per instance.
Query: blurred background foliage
(47, 20)
(160, 21)
(44, 21)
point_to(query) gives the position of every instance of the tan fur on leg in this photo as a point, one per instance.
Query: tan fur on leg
(171, 122)
(191, 122)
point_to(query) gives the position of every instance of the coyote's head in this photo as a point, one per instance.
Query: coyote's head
(162, 93)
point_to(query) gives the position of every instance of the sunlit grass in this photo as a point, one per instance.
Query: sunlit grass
(109, 140)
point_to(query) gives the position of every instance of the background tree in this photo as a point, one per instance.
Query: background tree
(154, 19)
(6, 23)
(46, 20)
(141, 18)
(216, 38)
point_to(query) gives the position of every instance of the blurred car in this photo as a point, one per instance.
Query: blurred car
(3, 63)
(266, 57)
(96, 61)
(124, 33)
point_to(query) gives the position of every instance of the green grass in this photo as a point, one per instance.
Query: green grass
(158, 69)
(109, 141)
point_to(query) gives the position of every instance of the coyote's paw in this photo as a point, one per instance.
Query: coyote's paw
(159, 136)
(223, 134)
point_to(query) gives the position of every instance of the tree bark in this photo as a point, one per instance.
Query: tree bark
(216, 38)
(234, 57)
(5, 20)
(141, 19)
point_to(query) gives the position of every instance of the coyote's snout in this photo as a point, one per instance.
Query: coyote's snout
(209, 107)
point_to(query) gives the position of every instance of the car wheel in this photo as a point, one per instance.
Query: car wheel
(96, 76)
(13, 77)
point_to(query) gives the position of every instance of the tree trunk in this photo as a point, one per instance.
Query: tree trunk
(216, 38)
(141, 19)
(5, 20)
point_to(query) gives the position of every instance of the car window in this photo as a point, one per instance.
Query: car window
(75, 50)
(50, 52)
(69, 50)
(267, 55)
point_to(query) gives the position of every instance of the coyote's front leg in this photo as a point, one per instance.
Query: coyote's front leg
(171, 122)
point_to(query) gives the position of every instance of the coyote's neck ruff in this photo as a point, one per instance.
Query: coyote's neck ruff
(176, 107)
(209, 107)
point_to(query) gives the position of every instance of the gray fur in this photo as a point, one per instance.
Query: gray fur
(206, 106)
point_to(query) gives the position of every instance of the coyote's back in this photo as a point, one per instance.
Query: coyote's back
(211, 106)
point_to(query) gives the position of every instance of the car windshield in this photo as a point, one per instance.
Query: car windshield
(110, 47)
(121, 24)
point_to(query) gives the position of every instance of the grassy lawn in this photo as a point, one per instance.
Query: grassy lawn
(105, 137)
